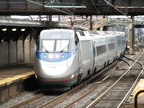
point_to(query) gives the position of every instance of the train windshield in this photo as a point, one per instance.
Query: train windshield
(55, 45)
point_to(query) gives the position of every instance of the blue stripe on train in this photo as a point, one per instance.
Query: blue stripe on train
(62, 56)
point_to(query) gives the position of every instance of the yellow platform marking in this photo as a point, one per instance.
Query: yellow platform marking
(9, 80)
(140, 86)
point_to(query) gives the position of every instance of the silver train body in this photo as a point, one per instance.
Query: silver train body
(64, 57)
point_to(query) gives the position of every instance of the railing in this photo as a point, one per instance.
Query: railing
(136, 98)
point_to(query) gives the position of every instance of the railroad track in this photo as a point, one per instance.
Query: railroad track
(118, 92)
(93, 102)
(27, 101)
(124, 88)
(74, 102)
(64, 95)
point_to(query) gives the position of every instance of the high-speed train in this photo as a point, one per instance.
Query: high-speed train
(64, 57)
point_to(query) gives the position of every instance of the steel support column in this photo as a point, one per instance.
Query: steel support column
(91, 24)
(131, 35)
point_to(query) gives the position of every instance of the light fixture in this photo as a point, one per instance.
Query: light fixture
(48, 6)
(23, 29)
(14, 29)
(4, 29)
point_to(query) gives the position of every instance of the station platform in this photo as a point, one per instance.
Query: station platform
(10, 74)
(13, 79)
(140, 100)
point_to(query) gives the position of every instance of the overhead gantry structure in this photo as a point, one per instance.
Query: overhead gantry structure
(71, 7)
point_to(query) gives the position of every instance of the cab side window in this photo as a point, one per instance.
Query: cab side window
(76, 39)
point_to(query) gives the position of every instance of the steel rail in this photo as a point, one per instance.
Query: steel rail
(103, 94)
(27, 101)
(45, 105)
(125, 61)
(87, 93)
(90, 91)
(61, 96)
(134, 84)
(65, 94)
(134, 60)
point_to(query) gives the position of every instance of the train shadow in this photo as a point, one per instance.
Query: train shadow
(53, 93)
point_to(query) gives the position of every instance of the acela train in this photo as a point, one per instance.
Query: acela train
(65, 57)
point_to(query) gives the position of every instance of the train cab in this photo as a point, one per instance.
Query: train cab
(56, 57)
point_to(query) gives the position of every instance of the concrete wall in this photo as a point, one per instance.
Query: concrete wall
(4, 58)
(20, 50)
(13, 53)
(27, 51)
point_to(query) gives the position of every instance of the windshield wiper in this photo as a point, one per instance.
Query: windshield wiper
(47, 51)
(64, 48)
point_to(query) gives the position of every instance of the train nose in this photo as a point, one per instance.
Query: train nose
(54, 70)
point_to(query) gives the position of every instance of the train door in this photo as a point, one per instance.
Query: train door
(118, 45)
(91, 56)
(123, 43)
(85, 57)
(101, 50)
(111, 48)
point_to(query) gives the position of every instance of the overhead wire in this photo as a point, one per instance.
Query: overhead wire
(120, 4)
(95, 7)
(38, 3)
(108, 2)
(65, 8)
(31, 1)
(52, 1)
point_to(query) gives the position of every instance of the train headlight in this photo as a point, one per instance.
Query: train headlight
(72, 76)
(51, 56)
(57, 56)
(36, 76)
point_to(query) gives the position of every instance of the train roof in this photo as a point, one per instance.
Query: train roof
(97, 32)
(57, 33)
